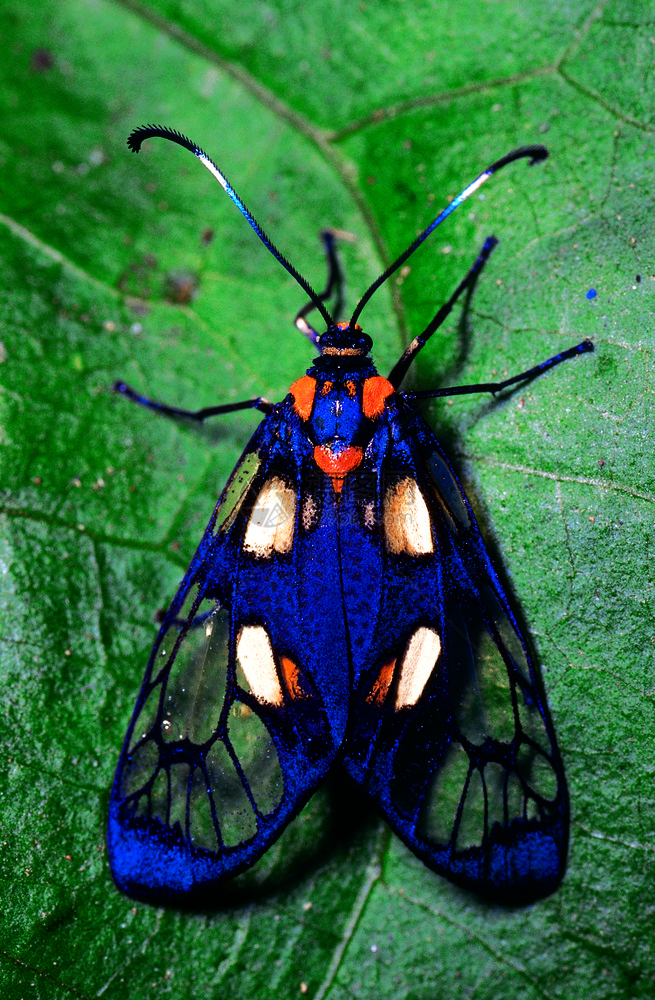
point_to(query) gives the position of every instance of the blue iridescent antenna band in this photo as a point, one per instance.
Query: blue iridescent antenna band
(535, 154)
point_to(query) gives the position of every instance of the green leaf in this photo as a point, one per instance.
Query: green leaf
(366, 117)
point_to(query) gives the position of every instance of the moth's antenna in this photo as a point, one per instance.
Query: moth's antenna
(139, 135)
(535, 154)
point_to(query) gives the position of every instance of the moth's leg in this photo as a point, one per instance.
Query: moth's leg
(494, 387)
(334, 287)
(399, 370)
(256, 403)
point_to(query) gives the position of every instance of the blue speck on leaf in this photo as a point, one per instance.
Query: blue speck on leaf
(591, 294)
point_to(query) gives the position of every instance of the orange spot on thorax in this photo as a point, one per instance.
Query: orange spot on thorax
(374, 394)
(303, 391)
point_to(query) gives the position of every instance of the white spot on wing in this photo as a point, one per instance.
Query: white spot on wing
(407, 520)
(255, 654)
(270, 528)
(417, 665)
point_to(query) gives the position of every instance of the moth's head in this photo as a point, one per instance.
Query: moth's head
(344, 340)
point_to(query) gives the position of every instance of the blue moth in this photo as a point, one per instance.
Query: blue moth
(341, 608)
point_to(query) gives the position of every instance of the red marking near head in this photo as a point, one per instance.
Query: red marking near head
(374, 393)
(337, 465)
(303, 391)
(378, 692)
(346, 326)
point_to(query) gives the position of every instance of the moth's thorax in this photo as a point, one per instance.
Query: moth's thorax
(339, 407)
(337, 411)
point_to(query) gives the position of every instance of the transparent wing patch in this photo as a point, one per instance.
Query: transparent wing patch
(201, 763)
(493, 805)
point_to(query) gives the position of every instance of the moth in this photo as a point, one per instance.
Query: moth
(341, 607)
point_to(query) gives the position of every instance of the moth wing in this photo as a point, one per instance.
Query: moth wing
(451, 732)
(233, 728)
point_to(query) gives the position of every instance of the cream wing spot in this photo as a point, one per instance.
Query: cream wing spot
(271, 524)
(255, 655)
(407, 520)
(417, 665)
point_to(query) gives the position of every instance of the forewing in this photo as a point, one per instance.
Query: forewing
(451, 729)
(233, 728)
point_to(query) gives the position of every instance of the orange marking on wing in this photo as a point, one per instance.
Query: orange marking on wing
(303, 391)
(378, 692)
(374, 393)
(327, 388)
(291, 676)
(352, 389)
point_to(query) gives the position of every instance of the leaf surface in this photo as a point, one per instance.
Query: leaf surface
(366, 117)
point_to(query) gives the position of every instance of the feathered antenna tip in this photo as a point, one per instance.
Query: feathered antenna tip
(139, 136)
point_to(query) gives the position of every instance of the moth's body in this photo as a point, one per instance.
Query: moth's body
(341, 572)
(341, 606)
